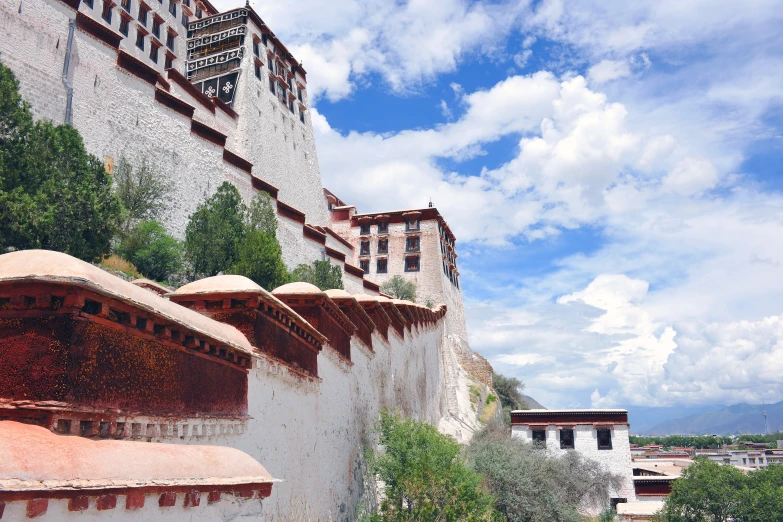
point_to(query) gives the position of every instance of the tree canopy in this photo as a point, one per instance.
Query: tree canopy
(399, 288)
(425, 476)
(155, 253)
(53, 194)
(322, 274)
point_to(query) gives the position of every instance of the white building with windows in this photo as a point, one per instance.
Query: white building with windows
(599, 435)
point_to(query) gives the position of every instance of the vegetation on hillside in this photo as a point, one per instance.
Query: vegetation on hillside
(399, 288)
(509, 391)
(711, 492)
(53, 194)
(705, 441)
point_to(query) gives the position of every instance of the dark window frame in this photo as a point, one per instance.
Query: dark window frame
(140, 39)
(106, 13)
(567, 438)
(173, 8)
(127, 5)
(539, 437)
(418, 264)
(301, 116)
(89, 3)
(364, 264)
(156, 24)
(382, 265)
(414, 248)
(256, 50)
(383, 246)
(154, 51)
(364, 248)
(143, 12)
(125, 25)
(383, 226)
(170, 38)
(415, 228)
(169, 61)
(365, 229)
(607, 442)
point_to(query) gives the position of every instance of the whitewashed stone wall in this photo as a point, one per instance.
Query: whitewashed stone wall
(616, 460)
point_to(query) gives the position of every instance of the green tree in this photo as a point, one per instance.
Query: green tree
(425, 476)
(53, 194)
(261, 260)
(510, 393)
(399, 288)
(762, 499)
(706, 492)
(156, 254)
(261, 215)
(215, 232)
(533, 486)
(322, 274)
(142, 191)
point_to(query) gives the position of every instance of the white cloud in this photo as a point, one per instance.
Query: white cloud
(521, 58)
(608, 70)
(691, 176)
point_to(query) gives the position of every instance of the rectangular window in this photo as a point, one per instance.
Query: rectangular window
(258, 71)
(143, 15)
(271, 85)
(169, 61)
(381, 266)
(412, 244)
(269, 64)
(364, 228)
(299, 93)
(199, 13)
(170, 41)
(539, 437)
(364, 264)
(301, 116)
(411, 225)
(126, 4)
(566, 439)
(383, 246)
(107, 9)
(365, 248)
(291, 105)
(124, 23)
(184, 19)
(412, 263)
(156, 27)
(604, 438)
(383, 227)
(140, 40)
(264, 39)
(173, 7)
(186, 2)
(255, 48)
(154, 53)
(88, 3)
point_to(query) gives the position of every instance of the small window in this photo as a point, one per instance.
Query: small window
(271, 85)
(264, 39)
(270, 64)
(88, 3)
(291, 105)
(124, 23)
(106, 13)
(169, 61)
(364, 228)
(412, 263)
(170, 41)
(173, 7)
(301, 116)
(255, 48)
(364, 264)
(154, 53)
(199, 13)
(299, 93)
(383, 227)
(604, 439)
(258, 71)
(140, 40)
(142, 15)
(365, 248)
(412, 244)
(412, 225)
(566, 439)
(156, 27)
(539, 437)
(126, 4)
(381, 265)
(185, 19)
(383, 246)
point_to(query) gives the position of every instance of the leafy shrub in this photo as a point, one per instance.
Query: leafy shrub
(322, 274)
(491, 398)
(141, 190)
(156, 254)
(115, 262)
(53, 194)
(399, 288)
(425, 476)
(260, 259)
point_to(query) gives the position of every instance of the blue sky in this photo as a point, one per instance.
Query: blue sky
(612, 171)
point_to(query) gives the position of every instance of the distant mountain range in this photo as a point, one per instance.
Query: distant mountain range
(532, 404)
(723, 420)
(644, 418)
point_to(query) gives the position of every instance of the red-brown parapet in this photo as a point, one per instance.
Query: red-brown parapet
(79, 338)
(152, 286)
(276, 329)
(38, 465)
(398, 321)
(355, 312)
(376, 312)
(321, 312)
(569, 417)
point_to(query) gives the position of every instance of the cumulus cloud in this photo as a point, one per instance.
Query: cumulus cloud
(691, 176)
(608, 70)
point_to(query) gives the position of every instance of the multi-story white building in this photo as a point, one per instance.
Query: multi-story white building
(599, 435)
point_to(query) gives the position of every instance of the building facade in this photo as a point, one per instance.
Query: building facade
(599, 435)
